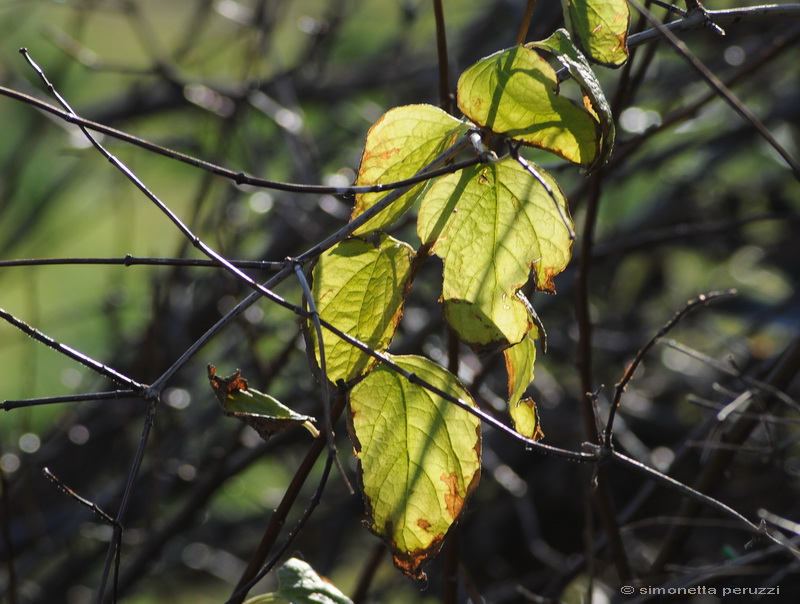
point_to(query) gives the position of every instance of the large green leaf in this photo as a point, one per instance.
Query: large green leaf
(515, 92)
(398, 145)
(601, 27)
(491, 225)
(299, 583)
(359, 286)
(560, 44)
(519, 365)
(419, 457)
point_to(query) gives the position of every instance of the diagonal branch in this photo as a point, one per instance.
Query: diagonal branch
(701, 300)
(721, 89)
(70, 352)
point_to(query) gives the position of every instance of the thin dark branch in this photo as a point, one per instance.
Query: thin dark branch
(701, 300)
(702, 498)
(312, 505)
(310, 254)
(721, 89)
(130, 260)
(733, 16)
(96, 510)
(753, 383)
(445, 96)
(278, 518)
(650, 239)
(525, 23)
(116, 540)
(713, 470)
(240, 178)
(70, 352)
(367, 575)
(70, 398)
(323, 367)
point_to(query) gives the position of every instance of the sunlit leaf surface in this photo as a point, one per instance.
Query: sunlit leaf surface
(515, 92)
(419, 457)
(520, 360)
(492, 225)
(601, 27)
(398, 145)
(560, 44)
(359, 287)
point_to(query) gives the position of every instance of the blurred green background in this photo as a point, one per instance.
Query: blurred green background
(287, 91)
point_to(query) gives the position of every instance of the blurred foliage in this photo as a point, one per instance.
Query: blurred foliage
(692, 201)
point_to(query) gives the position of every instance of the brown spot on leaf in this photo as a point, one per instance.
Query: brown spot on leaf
(424, 524)
(546, 284)
(452, 500)
(388, 153)
(223, 386)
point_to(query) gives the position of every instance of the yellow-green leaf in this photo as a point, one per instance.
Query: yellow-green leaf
(419, 457)
(299, 583)
(519, 366)
(359, 286)
(402, 142)
(262, 412)
(526, 419)
(515, 92)
(491, 225)
(560, 44)
(601, 27)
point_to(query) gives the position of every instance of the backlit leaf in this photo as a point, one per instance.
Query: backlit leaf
(519, 366)
(359, 286)
(419, 457)
(515, 92)
(398, 145)
(264, 413)
(491, 225)
(299, 583)
(601, 27)
(560, 44)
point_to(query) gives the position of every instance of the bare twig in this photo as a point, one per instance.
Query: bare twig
(70, 398)
(721, 89)
(323, 367)
(726, 368)
(699, 497)
(96, 510)
(732, 16)
(70, 352)
(701, 300)
(116, 541)
(312, 505)
(130, 260)
(367, 574)
(783, 372)
(445, 96)
(525, 23)
(240, 178)
(280, 514)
